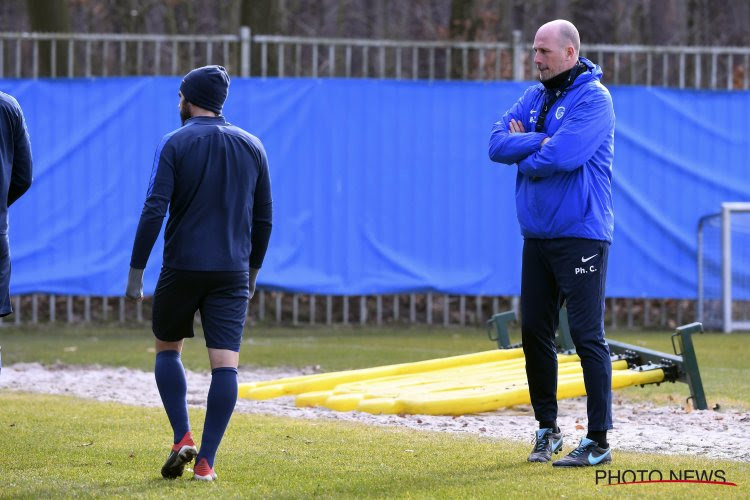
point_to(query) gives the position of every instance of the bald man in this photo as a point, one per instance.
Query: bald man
(560, 135)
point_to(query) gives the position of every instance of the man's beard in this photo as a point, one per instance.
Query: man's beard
(549, 77)
(184, 113)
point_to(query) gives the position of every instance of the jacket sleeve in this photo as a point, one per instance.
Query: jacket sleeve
(511, 148)
(21, 176)
(262, 215)
(575, 142)
(158, 197)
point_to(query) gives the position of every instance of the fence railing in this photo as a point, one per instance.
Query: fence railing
(41, 55)
(74, 55)
(274, 307)
(673, 66)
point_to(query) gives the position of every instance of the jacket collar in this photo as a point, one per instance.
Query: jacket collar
(588, 71)
(564, 79)
(591, 72)
(207, 119)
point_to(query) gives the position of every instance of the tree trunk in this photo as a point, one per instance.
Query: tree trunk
(50, 16)
(262, 16)
(462, 26)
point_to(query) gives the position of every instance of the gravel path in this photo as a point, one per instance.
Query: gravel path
(638, 427)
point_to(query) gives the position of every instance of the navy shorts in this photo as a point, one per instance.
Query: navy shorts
(221, 298)
(5, 307)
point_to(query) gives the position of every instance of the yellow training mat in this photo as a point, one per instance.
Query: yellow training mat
(491, 398)
(298, 385)
(457, 385)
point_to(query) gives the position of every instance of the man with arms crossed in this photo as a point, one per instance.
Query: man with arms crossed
(560, 134)
(214, 178)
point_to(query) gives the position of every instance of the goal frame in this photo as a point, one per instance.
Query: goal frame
(727, 209)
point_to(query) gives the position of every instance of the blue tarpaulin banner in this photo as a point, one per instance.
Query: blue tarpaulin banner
(379, 186)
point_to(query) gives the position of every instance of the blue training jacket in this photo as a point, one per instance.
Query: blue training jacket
(15, 157)
(563, 189)
(214, 178)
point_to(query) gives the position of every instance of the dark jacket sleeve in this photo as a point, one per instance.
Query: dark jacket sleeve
(21, 177)
(158, 197)
(262, 215)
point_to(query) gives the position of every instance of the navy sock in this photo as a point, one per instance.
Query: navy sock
(600, 437)
(222, 396)
(170, 379)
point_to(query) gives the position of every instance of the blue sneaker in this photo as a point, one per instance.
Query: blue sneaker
(587, 454)
(546, 443)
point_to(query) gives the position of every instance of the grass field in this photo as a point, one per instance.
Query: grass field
(60, 446)
(723, 359)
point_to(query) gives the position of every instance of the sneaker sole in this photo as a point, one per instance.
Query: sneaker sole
(177, 467)
(579, 464)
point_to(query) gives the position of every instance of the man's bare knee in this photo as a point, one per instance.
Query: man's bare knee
(223, 358)
(161, 345)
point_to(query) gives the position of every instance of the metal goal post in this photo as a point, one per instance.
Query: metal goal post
(724, 268)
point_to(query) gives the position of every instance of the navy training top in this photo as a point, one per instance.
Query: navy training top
(15, 156)
(214, 178)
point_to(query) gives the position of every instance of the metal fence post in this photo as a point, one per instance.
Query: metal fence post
(379, 309)
(278, 307)
(295, 309)
(87, 308)
(462, 310)
(446, 309)
(629, 304)
(517, 56)
(245, 36)
(345, 310)
(428, 308)
(412, 308)
(329, 310)
(312, 310)
(34, 308)
(515, 304)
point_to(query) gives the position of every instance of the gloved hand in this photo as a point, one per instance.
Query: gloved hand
(134, 290)
(253, 278)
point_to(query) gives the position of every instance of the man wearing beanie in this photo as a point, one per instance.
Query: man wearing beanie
(213, 177)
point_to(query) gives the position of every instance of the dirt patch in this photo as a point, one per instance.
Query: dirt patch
(638, 427)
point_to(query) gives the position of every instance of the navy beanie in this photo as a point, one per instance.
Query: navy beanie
(206, 87)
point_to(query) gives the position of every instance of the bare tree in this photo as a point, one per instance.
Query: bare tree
(263, 17)
(49, 16)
